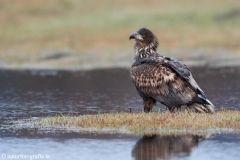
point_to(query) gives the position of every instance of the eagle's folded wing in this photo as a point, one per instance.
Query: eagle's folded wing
(183, 71)
(153, 78)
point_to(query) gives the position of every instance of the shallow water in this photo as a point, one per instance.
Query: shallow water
(43, 93)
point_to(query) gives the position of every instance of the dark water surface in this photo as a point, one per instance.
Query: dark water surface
(43, 93)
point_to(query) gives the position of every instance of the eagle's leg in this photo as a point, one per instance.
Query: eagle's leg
(188, 109)
(148, 104)
(179, 108)
(172, 109)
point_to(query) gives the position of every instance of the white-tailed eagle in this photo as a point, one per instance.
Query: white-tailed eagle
(164, 79)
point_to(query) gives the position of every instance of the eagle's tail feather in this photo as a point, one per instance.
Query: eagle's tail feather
(210, 106)
(202, 108)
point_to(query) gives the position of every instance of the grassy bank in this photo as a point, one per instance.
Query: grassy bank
(155, 122)
(70, 33)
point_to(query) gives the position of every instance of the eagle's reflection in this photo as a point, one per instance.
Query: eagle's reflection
(163, 147)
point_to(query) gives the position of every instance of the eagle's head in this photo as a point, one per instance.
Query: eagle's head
(145, 39)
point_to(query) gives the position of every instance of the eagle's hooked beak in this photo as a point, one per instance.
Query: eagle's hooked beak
(133, 36)
(136, 36)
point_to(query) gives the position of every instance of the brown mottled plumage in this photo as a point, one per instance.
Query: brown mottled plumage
(164, 79)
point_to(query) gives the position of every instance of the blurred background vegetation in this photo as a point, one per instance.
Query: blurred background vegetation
(80, 34)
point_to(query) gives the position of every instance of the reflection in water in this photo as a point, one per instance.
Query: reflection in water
(163, 147)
